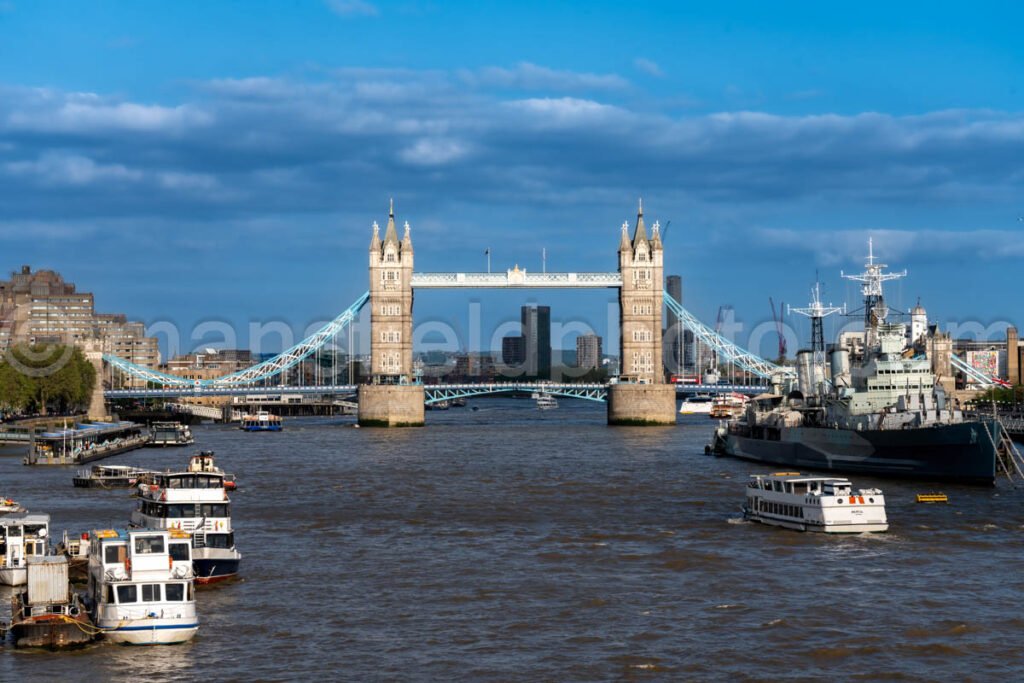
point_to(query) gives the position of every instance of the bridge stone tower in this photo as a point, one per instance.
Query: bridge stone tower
(641, 397)
(391, 400)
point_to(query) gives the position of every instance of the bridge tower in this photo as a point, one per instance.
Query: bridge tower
(641, 397)
(391, 399)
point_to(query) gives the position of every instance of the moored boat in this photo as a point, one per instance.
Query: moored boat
(195, 502)
(141, 589)
(807, 503)
(22, 536)
(47, 613)
(76, 549)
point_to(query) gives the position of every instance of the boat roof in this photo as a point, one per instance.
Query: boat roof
(88, 429)
(797, 477)
(25, 518)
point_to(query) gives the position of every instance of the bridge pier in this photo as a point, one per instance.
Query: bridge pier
(641, 404)
(391, 405)
(97, 406)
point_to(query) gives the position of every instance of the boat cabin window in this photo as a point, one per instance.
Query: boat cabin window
(14, 531)
(151, 592)
(214, 510)
(148, 545)
(34, 529)
(113, 554)
(179, 552)
(175, 592)
(109, 595)
(220, 540)
(126, 594)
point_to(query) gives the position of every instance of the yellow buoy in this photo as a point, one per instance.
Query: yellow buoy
(932, 498)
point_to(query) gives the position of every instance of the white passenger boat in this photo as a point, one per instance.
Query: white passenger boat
(9, 506)
(697, 405)
(546, 402)
(806, 503)
(194, 501)
(140, 586)
(21, 537)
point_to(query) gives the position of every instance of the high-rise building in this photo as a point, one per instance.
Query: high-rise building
(513, 350)
(588, 351)
(40, 307)
(536, 322)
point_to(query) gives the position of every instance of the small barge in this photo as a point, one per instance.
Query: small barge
(86, 443)
(109, 477)
(170, 434)
(47, 613)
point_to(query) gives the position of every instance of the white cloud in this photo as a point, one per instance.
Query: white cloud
(648, 67)
(46, 110)
(54, 168)
(353, 8)
(527, 76)
(433, 152)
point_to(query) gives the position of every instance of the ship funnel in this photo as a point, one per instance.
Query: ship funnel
(839, 362)
(805, 372)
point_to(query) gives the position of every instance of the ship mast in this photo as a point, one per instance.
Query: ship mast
(875, 310)
(817, 312)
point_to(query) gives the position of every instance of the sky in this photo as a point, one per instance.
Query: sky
(196, 163)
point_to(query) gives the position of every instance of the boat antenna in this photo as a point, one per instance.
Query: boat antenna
(817, 312)
(875, 310)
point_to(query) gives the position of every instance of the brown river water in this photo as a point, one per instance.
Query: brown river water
(509, 544)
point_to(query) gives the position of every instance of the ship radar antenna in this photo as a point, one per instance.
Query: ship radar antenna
(875, 310)
(817, 312)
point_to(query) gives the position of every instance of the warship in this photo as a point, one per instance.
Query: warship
(883, 413)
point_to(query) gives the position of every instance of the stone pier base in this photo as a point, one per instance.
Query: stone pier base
(391, 405)
(641, 404)
(97, 407)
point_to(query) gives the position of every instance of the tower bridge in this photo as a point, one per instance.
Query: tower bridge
(393, 396)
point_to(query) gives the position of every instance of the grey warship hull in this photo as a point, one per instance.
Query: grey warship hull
(963, 453)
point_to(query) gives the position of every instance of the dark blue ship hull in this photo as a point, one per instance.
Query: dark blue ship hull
(962, 453)
(214, 569)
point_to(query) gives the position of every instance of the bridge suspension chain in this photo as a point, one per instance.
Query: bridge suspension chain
(268, 368)
(726, 350)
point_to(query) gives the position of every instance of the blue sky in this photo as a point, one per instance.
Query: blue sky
(205, 161)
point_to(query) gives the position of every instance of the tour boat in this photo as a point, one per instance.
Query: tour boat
(22, 536)
(141, 588)
(170, 434)
(109, 476)
(47, 613)
(807, 503)
(697, 405)
(546, 402)
(194, 501)
(262, 421)
(728, 406)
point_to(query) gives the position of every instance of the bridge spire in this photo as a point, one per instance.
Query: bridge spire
(390, 233)
(375, 240)
(640, 235)
(624, 243)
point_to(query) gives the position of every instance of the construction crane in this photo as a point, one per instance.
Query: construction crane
(778, 328)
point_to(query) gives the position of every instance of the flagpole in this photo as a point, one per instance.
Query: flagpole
(488, 252)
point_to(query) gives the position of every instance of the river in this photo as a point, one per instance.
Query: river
(509, 544)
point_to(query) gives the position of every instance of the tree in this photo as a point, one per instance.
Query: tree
(53, 376)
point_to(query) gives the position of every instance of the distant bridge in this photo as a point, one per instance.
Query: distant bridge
(434, 392)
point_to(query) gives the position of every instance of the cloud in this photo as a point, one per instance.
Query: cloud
(648, 67)
(352, 8)
(232, 149)
(527, 76)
